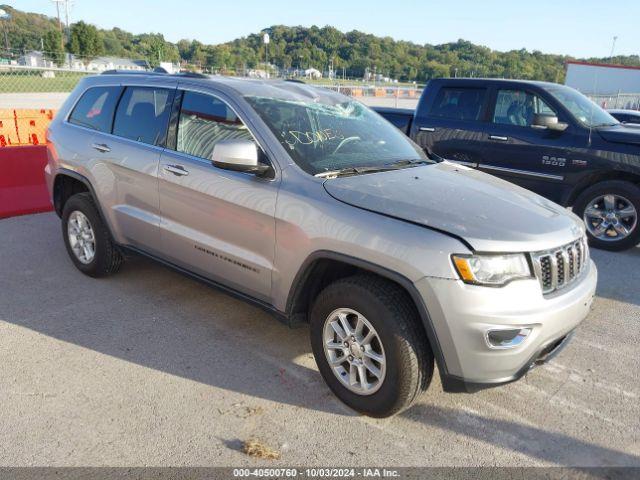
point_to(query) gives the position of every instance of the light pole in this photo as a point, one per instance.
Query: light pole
(613, 46)
(265, 39)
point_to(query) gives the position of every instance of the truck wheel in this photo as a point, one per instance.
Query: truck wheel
(87, 238)
(369, 345)
(610, 212)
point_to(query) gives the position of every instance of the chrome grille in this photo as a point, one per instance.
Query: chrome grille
(558, 268)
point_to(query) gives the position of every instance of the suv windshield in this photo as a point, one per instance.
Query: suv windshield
(583, 109)
(322, 136)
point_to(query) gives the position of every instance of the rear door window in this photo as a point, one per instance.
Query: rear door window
(459, 103)
(143, 114)
(95, 108)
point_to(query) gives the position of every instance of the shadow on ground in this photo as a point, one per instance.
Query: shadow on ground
(152, 316)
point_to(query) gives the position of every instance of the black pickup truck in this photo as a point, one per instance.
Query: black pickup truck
(545, 137)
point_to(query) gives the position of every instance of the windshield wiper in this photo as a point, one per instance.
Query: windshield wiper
(371, 169)
(411, 163)
(353, 171)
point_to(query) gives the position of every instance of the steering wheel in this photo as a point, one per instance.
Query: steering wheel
(346, 141)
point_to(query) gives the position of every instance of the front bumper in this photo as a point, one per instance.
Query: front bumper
(461, 314)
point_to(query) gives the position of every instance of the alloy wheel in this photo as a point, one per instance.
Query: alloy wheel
(354, 351)
(610, 217)
(81, 237)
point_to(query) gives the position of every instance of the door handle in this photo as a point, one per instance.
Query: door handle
(498, 137)
(177, 170)
(101, 147)
(427, 129)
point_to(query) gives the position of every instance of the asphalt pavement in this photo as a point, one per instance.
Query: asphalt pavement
(150, 368)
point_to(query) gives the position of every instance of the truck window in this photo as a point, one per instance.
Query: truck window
(143, 114)
(204, 121)
(459, 103)
(517, 107)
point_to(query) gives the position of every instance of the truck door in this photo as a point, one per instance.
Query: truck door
(451, 126)
(520, 152)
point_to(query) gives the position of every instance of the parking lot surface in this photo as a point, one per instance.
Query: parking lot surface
(149, 367)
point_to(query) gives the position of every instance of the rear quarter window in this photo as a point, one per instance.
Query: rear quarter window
(95, 108)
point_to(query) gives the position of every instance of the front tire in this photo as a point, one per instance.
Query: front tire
(369, 345)
(87, 238)
(610, 211)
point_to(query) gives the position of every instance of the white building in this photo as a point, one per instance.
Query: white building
(602, 79)
(35, 59)
(312, 73)
(114, 63)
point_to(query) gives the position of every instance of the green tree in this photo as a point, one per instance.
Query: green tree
(53, 47)
(291, 47)
(85, 41)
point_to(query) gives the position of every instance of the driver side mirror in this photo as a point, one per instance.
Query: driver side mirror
(239, 156)
(548, 121)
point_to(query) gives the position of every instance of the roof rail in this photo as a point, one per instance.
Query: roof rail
(156, 71)
(192, 75)
(129, 72)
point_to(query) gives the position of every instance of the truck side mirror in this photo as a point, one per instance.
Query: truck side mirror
(548, 121)
(239, 156)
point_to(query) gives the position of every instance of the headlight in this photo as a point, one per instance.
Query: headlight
(493, 270)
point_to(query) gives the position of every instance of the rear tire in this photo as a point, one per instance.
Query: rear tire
(611, 213)
(389, 312)
(87, 238)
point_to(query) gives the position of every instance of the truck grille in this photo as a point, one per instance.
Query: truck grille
(559, 268)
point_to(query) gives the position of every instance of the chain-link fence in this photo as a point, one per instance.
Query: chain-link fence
(627, 101)
(36, 79)
(26, 79)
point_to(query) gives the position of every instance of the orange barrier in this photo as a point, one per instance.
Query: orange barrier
(24, 126)
(356, 92)
(380, 92)
(22, 184)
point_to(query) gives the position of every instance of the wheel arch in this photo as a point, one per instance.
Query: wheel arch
(595, 178)
(66, 184)
(323, 267)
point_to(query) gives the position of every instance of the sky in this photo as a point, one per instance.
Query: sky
(579, 28)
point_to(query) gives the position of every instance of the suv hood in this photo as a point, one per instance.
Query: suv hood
(488, 213)
(621, 134)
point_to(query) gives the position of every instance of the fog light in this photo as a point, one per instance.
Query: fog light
(507, 338)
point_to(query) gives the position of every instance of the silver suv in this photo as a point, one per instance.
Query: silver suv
(312, 206)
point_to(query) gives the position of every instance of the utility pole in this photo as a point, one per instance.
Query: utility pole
(67, 4)
(59, 24)
(66, 15)
(58, 12)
